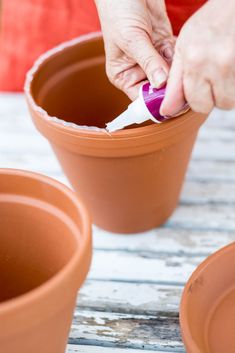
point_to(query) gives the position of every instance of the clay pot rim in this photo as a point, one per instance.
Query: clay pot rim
(84, 132)
(27, 299)
(184, 323)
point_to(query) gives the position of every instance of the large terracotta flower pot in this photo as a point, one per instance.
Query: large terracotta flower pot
(45, 255)
(207, 311)
(130, 179)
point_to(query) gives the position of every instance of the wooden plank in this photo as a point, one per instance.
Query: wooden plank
(203, 217)
(164, 240)
(129, 298)
(206, 171)
(221, 119)
(134, 267)
(12, 103)
(208, 193)
(212, 132)
(126, 331)
(214, 151)
(71, 348)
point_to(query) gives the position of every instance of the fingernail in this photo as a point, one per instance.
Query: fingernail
(183, 110)
(159, 78)
(168, 53)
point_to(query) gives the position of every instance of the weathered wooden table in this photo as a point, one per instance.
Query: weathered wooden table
(130, 301)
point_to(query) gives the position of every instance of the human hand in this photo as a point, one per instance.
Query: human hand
(139, 43)
(203, 68)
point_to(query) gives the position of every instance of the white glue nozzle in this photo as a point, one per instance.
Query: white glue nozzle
(136, 113)
(119, 123)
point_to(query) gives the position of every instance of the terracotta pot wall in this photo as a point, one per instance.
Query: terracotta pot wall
(133, 183)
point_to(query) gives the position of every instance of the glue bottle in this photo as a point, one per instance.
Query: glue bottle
(145, 107)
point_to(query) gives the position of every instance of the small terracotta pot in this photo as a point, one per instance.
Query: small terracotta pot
(45, 255)
(130, 179)
(207, 308)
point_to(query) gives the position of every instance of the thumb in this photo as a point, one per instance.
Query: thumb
(174, 99)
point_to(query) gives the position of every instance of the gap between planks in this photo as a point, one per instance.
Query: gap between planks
(91, 349)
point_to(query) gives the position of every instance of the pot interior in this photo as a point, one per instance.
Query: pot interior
(37, 238)
(72, 85)
(211, 304)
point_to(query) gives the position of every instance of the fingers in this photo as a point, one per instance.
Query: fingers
(129, 80)
(152, 47)
(162, 35)
(203, 71)
(138, 42)
(201, 94)
(141, 49)
(187, 87)
(202, 87)
(123, 72)
(224, 95)
(174, 99)
(198, 93)
(128, 76)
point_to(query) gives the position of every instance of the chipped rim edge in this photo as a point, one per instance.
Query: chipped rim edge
(30, 76)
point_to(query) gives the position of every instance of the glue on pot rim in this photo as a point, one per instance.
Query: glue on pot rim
(145, 107)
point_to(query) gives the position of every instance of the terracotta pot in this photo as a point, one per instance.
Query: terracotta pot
(207, 308)
(130, 179)
(45, 255)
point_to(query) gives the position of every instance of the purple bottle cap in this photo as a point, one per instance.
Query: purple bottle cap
(153, 98)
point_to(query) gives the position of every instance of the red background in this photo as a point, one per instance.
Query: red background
(30, 27)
